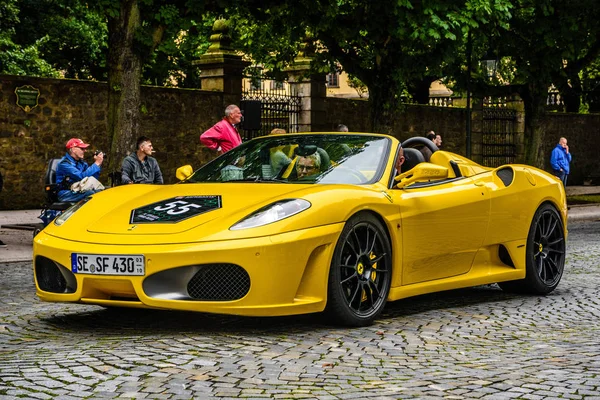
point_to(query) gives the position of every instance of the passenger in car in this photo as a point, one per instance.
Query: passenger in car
(308, 165)
(279, 158)
(399, 160)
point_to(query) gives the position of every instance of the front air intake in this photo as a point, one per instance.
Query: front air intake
(53, 277)
(219, 282)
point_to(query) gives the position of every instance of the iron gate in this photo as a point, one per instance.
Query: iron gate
(499, 137)
(279, 107)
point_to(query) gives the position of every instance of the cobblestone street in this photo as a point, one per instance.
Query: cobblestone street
(472, 343)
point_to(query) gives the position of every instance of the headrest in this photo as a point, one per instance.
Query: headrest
(305, 150)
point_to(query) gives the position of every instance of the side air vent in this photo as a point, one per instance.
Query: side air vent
(506, 175)
(505, 256)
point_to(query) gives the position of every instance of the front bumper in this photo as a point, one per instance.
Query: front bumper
(287, 273)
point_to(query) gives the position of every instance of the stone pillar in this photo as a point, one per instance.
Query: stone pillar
(221, 67)
(477, 129)
(516, 103)
(311, 89)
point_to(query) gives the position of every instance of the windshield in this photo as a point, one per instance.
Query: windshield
(301, 158)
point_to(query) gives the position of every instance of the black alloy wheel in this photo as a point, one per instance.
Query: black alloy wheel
(545, 255)
(360, 272)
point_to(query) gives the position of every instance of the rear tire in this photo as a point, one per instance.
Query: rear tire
(545, 254)
(360, 273)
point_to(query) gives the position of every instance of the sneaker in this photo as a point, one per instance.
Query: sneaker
(2, 244)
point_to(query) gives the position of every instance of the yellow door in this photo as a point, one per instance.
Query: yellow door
(442, 228)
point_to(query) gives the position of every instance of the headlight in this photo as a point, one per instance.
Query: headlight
(70, 211)
(272, 213)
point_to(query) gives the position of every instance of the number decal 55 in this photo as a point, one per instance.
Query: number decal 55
(177, 207)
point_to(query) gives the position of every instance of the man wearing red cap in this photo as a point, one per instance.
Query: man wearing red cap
(72, 168)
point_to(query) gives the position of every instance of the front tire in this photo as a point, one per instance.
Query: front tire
(545, 255)
(37, 229)
(360, 272)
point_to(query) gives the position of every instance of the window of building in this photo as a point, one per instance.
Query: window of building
(333, 79)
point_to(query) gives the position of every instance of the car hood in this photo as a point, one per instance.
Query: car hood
(108, 216)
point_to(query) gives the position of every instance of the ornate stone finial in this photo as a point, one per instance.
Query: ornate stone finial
(307, 47)
(220, 41)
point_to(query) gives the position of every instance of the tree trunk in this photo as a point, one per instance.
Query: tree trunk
(534, 100)
(384, 101)
(124, 73)
(419, 90)
(570, 90)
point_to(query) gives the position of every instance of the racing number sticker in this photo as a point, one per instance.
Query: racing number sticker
(175, 209)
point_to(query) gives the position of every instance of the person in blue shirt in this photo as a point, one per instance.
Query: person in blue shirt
(560, 160)
(72, 168)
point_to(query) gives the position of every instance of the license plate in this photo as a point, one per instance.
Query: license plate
(108, 264)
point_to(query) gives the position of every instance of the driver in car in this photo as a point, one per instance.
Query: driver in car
(308, 165)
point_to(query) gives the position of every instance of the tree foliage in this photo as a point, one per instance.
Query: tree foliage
(15, 58)
(356, 84)
(547, 42)
(171, 62)
(391, 47)
(67, 35)
(386, 45)
(144, 35)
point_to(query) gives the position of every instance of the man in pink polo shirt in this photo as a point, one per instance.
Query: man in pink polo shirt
(223, 136)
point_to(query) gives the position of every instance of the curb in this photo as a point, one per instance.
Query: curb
(580, 212)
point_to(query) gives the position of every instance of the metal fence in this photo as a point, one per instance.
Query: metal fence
(498, 135)
(591, 98)
(279, 107)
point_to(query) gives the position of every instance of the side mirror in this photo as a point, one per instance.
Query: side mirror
(184, 172)
(421, 172)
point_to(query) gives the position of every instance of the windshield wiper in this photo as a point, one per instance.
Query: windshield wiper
(258, 180)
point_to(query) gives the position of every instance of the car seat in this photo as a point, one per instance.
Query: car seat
(53, 207)
(325, 160)
(51, 187)
(412, 157)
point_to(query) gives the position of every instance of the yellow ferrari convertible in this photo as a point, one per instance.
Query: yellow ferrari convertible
(304, 223)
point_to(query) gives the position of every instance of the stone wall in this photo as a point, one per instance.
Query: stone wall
(583, 134)
(352, 113)
(582, 131)
(448, 122)
(172, 118)
(414, 120)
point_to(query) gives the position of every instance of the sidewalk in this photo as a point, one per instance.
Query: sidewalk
(19, 242)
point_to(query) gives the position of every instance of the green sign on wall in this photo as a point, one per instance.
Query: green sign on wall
(27, 97)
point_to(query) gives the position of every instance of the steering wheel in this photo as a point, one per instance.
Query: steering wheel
(422, 141)
(343, 174)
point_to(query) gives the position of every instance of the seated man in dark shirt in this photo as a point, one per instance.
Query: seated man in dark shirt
(140, 167)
